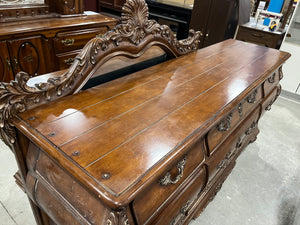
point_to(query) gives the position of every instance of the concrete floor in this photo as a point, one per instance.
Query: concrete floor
(263, 188)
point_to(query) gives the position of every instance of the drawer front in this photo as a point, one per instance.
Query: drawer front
(69, 41)
(57, 211)
(65, 60)
(252, 35)
(88, 206)
(270, 99)
(233, 144)
(271, 82)
(152, 200)
(183, 205)
(218, 134)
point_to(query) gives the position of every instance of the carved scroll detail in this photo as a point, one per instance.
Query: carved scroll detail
(132, 37)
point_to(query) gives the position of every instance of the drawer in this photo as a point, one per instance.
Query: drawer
(270, 99)
(73, 40)
(65, 60)
(183, 205)
(219, 132)
(255, 36)
(160, 192)
(59, 212)
(233, 144)
(80, 199)
(271, 82)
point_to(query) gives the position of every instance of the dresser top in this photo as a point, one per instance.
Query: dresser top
(117, 136)
(29, 26)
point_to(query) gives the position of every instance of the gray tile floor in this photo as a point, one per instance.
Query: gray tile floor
(263, 188)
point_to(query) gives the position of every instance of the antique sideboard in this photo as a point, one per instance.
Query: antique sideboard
(152, 147)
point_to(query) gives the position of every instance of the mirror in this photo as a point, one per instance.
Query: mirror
(19, 2)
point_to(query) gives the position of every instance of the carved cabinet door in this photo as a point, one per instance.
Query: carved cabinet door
(30, 55)
(6, 73)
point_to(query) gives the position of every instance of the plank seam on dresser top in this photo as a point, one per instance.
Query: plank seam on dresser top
(60, 144)
(170, 152)
(102, 156)
(127, 90)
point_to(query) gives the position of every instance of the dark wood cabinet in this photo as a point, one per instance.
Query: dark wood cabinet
(216, 19)
(29, 47)
(30, 55)
(111, 4)
(6, 73)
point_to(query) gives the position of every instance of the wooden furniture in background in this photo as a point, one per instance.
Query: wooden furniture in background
(248, 33)
(216, 19)
(153, 147)
(46, 45)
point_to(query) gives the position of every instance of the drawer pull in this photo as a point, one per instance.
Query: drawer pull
(271, 79)
(166, 180)
(225, 124)
(8, 64)
(257, 35)
(68, 42)
(16, 63)
(252, 97)
(69, 61)
(251, 128)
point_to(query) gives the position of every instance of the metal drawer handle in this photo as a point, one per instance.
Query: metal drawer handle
(257, 35)
(167, 178)
(8, 64)
(225, 124)
(251, 128)
(252, 97)
(69, 61)
(271, 79)
(68, 42)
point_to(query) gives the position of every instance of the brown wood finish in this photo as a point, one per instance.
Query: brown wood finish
(153, 147)
(261, 37)
(28, 47)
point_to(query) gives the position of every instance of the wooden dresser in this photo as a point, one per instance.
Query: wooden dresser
(153, 147)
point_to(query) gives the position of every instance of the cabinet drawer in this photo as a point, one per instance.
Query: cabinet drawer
(253, 35)
(68, 41)
(270, 99)
(219, 133)
(271, 82)
(152, 200)
(65, 60)
(183, 205)
(80, 199)
(231, 146)
(59, 212)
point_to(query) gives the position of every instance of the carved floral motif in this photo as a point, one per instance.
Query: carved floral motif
(131, 38)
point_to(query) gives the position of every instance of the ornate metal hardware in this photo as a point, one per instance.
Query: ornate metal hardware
(240, 109)
(16, 63)
(251, 128)
(68, 42)
(271, 79)
(252, 97)
(268, 107)
(225, 124)
(166, 180)
(8, 64)
(184, 209)
(28, 58)
(222, 164)
(69, 61)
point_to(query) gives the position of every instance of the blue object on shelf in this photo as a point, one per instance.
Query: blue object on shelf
(275, 6)
(266, 22)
